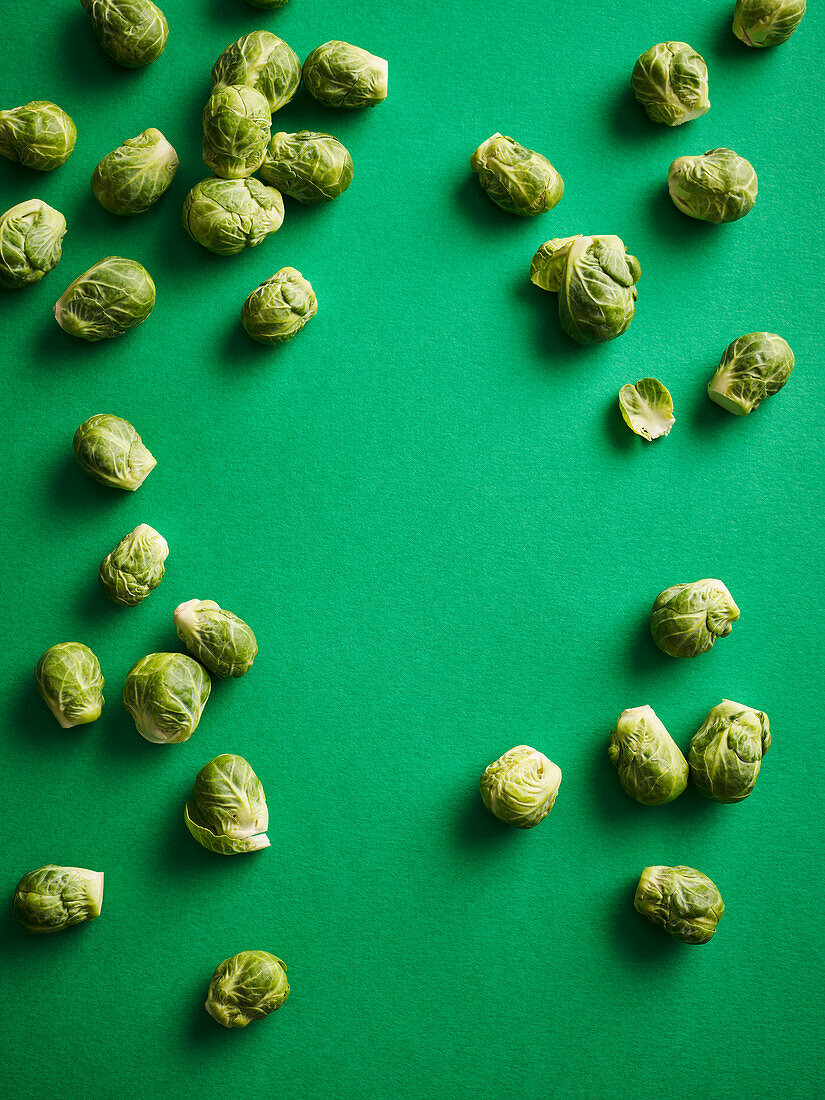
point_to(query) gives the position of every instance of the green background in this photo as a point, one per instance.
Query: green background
(448, 543)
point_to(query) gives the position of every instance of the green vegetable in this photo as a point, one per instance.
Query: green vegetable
(132, 32)
(726, 754)
(521, 787)
(307, 166)
(341, 75)
(236, 124)
(227, 216)
(31, 236)
(38, 135)
(134, 176)
(651, 768)
(111, 451)
(262, 61)
(670, 81)
(688, 618)
(247, 987)
(753, 367)
(767, 22)
(279, 308)
(53, 898)
(647, 408)
(135, 566)
(681, 900)
(718, 186)
(113, 296)
(165, 693)
(519, 180)
(595, 279)
(217, 638)
(68, 677)
(228, 813)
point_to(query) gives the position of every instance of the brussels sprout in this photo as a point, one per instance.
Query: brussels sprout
(135, 175)
(262, 61)
(217, 638)
(753, 367)
(236, 124)
(113, 296)
(134, 567)
(670, 81)
(68, 677)
(688, 618)
(228, 813)
(681, 900)
(31, 236)
(165, 693)
(247, 987)
(38, 135)
(517, 179)
(279, 308)
(109, 448)
(53, 898)
(647, 408)
(227, 216)
(651, 768)
(718, 186)
(307, 166)
(520, 787)
(767, 22)
(595, 279)
(132, 32)
(726, 754)
(341, 75)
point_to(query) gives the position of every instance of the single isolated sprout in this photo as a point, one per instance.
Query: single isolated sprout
(132, 32)
(307, 166)
(647, 408)
(279, 308)
(521, 787)
(718, 186)
(340, 75)
(135, 566)
(165, 693)
(767, 22)
(228, 813)
(651, 768)
(726, 754)
(107, 300)
(688, 618)
(262, 61)
(31, 243)
(753, 367)
(37, 135)
(53, 898)
(670, 80)
(109, 449)
(69, 679)
(134, 176)
(519, 180)
(247, 987)
(227, 216)
(216, 638)
(236, 125)
(680, 900)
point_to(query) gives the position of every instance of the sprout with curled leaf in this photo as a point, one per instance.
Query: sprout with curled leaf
(726, 754)
(681, 901)
(688, 618)
(279, 308)
(31, 236)
(132, 32)
(520, 787)
(670, 80)
(247, 987)
(217, 638)
(165, 693)
(228, 813)
(236, 125)
(69, 679)
(717, 186)
(53, 898)
(310, 167)
(135, 175)
(340, 75)
(135, 566)
(262, 61)
(647, 408)
(763, 23)
(518, 180)
(109, 449)
(38, 135)
(227, 216)
(651, 768)
(114, 295)
(753, 367)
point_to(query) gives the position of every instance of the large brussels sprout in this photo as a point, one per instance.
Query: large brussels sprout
(114, 295)
(132, 32)
(279, 308)
(109, 448)
(767, 22)
(236, 124)
(53, 898)
(647, 408)
(135, 566)
(228, 813)
(227, 216)
(595, 279)
(31, 236)
(217, 638)
(165, 693)
(341, 75)
(681, 900)
(262, 61)
(670, 80)
(753, 367)
(307, 166)
(38, 135)
(651, 768)
(247, 987)
(135, 175)
(519, 180)
(521, 787)
(726, 754)
(718, 186)
(68, 677)
(688, 618)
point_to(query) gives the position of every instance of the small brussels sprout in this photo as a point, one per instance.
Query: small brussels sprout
(68, 677)
(341, 75)
(670, 81)
(595, 279)
(262, 61)
(688, 618)
(109, 449)
(132, 32)
(718, 186)
(113, 296)
(217, 638)
(227, 216)
(31, 236)
(135, 175)
(726, 754)
(247, 987)
(53, 898)
(279, 308)
(134, 567)
(521, 787)
(519, 180)
(753, 367)
(38, 135)
(651, 768)
(307, 166)
(681, 900)
(647, 408)
(228, 813)
(767, 22)
(165, 693)
(236, 124)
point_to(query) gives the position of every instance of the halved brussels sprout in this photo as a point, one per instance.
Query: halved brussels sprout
(518, 180)
(53, 898)
(670, 80)
(680, 900)
(217, 638)
(307, 166)
(109, 449)
(262, 61)
(236, 125)
(647, 408)
(68, 677)
(521, 787)
(113, 296)
(688, 618)
(726, 754)
(228, 812)
(247, 987)
(767, 22)
(132, 32)
(651, 768)
(31, 236)
(341, 75)
(135, 566)
(165, 693)
(279, 308)
(753, 367)
(718, 186)
(227, 216)
(38, 135)
(135, 175)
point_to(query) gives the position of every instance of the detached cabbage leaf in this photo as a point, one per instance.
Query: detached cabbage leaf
(647, 408)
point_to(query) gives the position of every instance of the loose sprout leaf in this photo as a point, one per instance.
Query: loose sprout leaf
(647, 408)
